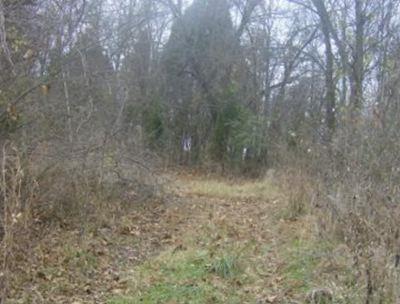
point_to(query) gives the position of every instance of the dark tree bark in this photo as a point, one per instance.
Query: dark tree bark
(357, 77)
(329, 69)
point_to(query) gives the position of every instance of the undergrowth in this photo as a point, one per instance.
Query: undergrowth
(229, 257)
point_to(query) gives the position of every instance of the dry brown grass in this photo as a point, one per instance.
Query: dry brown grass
(262, 189)
(17, 196)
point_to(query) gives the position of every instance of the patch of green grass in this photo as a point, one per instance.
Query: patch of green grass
(177, 266)
(315, 263)
(165, 293)
(226, 267)
(121, 300)
(303, 258)
(190, 276)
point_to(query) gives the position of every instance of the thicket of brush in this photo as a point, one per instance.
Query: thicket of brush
(43, 189)
(66, 159)
(351, 185)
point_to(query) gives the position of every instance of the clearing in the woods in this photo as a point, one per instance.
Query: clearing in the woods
(215, 241)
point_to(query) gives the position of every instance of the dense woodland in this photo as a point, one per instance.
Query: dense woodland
(97, 95)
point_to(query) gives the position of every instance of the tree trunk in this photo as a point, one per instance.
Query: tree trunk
(330, 98)
(357, 76)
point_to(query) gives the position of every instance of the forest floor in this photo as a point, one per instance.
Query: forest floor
(215, 241)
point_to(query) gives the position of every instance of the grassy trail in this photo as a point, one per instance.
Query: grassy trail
(234, 244)
(216, 241)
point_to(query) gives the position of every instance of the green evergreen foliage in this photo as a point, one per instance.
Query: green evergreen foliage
(197, 62)
(231, 118)
(238, 128)
(153, 123)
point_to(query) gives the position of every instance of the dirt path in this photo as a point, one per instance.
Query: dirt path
(214, 242)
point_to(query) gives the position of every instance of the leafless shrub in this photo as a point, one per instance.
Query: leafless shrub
(75, 194)
(300, 193)
(351, 186)
(18, 190)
